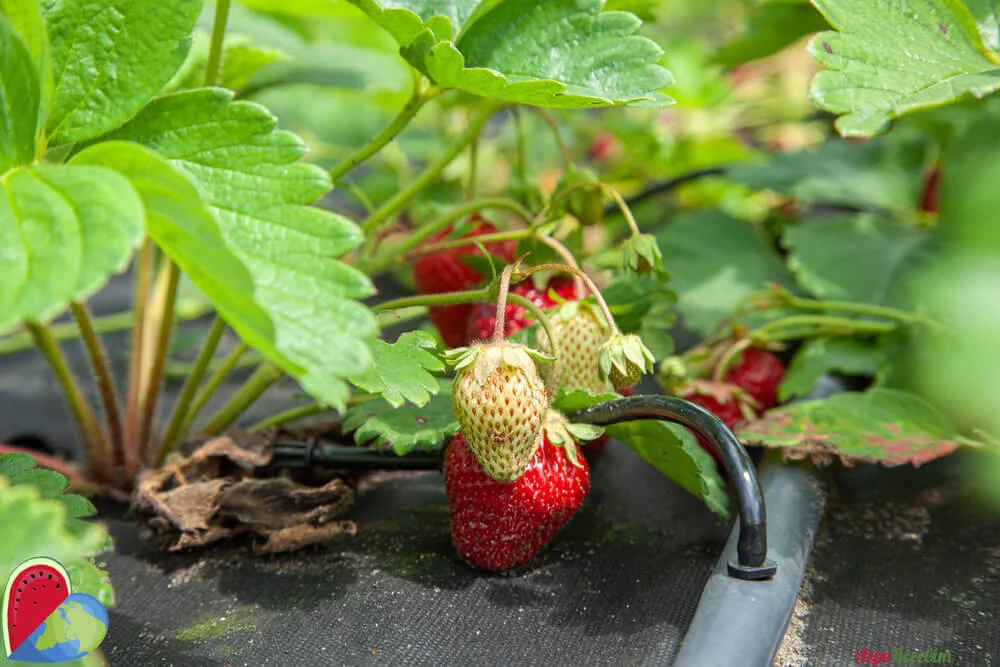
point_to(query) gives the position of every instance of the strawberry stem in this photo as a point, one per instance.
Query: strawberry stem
(501, 318)
(418, 98)
(626, 211)
(567, 256)
(800, 326)
(587, 281)
(512, 235)
(564, 152)
(728, 354)
(786, 298)
(443, 299)
(540, 315)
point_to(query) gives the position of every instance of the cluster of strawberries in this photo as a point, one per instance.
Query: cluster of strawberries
(514, 474)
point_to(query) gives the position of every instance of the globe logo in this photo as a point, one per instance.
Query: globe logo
(43, 620)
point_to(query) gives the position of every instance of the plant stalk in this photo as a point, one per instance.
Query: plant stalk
(567, 157)
(394, 254)
(98, 452)
(430, 248)
(501, 317)
(213, 383)
(418, 98)
(214, 66)
(105, 380)
(587, 281)
(781, 329)
(443, 299)
(175, 427)
(134, 393)
(407, 194)
(290, 415)
(255, 386)
(162, 315)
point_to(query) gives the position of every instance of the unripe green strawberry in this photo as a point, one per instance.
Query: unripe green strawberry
(500, 403)
(579, 332)
(623, 359)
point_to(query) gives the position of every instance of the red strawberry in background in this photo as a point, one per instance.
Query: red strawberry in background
(499, 525)
(604, 148)
(753, 381)
(483, 318)
(759, 373)
(444, 271)
(726, 410)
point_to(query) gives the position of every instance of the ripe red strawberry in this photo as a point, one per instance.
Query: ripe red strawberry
(444, 271)
(604, 147)
(483, 318)
(500, 525)
(728, 411)
(759, 373)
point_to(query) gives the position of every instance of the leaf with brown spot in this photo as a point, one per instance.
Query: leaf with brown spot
(886, 426)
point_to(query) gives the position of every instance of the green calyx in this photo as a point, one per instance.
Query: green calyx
(483, 360)
(641, 255)
(562, 433)
(623, 359)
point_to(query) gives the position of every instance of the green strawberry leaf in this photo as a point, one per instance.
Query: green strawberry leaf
(644, 305)
(886, 426)
(249, 174)
(187, 231)
(26, 18)
(716, 261)
(887, 59)
(674, 451)
(769, 29)
(885, 173)
(406, 429)
(19, 99)
(41, 520)
(987, 15)
(862, 258)
(819, 356)
(401, 371)
(63, 231)
(562, 53)
(110, 57)
(668, 447)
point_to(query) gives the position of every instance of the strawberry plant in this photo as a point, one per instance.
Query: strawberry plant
(297, 165)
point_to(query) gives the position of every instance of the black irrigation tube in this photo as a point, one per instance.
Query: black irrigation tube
(751, 562)
(743, 622)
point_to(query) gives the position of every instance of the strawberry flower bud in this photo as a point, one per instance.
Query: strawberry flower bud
(641, 255)
(623, 359)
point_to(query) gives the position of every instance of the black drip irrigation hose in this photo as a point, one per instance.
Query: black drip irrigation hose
(751, 562)
(308, 453)
(751, 551)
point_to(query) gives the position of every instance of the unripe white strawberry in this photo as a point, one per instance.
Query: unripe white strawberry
(624, 359)
(579, 332)
(500, 404)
